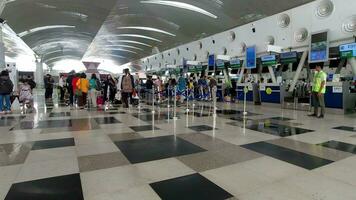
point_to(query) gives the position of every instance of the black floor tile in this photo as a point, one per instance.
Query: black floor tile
(157, 117)
(10, 120)
(200, 114)
(351, 148)
(234, 112)
(48, 144)
(346, 128)
(106, 120)
(277, 129)
(191, 187)
(57, 188)
(46, 124)
(288, 155)
(201, 128)
(280, 118)
(60, 114)
(143, 128)
(149, 149)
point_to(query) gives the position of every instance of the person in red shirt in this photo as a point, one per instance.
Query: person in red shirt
(74, 85)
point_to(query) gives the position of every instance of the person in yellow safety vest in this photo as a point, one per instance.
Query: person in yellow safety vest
(318, 91)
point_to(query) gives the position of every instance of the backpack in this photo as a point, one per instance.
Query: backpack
(98, 85)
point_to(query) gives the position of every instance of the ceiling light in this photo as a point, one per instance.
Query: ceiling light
(181, 5)
(118, 49)
(131, 42)
(60, 57)
(136, 36)
(147, 29)
(22, 34)
(112, 55)
(122, 45)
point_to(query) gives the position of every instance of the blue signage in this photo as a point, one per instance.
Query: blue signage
(287, 55)
(235, 62)
(251, 57)
(268, 58)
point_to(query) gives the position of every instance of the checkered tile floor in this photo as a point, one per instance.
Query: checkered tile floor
(122, 154)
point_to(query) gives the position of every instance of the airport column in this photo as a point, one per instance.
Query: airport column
(2, 49)
(352, 62)
(39, 74)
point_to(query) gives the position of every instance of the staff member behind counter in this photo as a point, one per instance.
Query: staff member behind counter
(318, 91)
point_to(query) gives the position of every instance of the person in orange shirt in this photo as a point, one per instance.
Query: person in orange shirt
(83, 88)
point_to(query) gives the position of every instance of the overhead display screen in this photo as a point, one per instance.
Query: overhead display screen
(251, 57)
(288, 57)
(348, 50)
(269, 60)
(319, 48)
(235, 63)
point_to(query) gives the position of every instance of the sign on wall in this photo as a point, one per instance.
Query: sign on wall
(319, 47)
(251, 57)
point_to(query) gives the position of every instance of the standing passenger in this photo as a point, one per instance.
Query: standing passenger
(94, 87)
(49, 82)
(61, 87)
(83, 86)
(128, 86)
(6, 87)
(319, 88)
(70, 87)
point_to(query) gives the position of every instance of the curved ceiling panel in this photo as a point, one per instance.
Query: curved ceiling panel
(127, 30)
(66, 26)
(177, 22)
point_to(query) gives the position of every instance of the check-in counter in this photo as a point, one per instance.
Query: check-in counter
(270, 93)
(240, 91)
(338, 96)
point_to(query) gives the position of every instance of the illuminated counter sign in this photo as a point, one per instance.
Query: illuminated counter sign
(235, 64)
(319, 47)
(288, 57)
(348, 50)
(269, 60)
(191, 68)
(251, 57)
(199, 68)
(220, 64)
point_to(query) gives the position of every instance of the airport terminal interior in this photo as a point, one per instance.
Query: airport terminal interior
(178, 100)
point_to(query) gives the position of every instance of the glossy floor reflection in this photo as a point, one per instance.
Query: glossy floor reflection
(116, 153)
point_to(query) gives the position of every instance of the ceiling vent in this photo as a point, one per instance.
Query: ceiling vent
(232, 36)
(349, 25)
(324, 8)
(301, 35)
(283, 20)
(270, 40)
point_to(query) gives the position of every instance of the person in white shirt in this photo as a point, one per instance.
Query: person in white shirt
(61, 87)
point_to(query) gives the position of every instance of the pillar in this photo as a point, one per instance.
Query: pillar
(2, 49)
(352, 62)
(39, 74)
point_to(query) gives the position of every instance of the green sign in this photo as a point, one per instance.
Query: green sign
(269, 60)
(220, 64)
(288, 57)
(199, 68)
(348, 50)
(191, 69)
(235, 64)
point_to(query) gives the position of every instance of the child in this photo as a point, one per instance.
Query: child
(26, 94)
